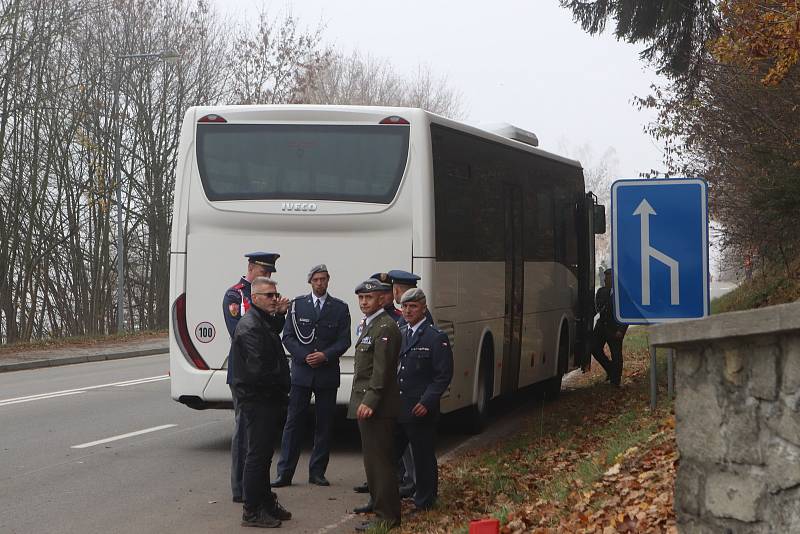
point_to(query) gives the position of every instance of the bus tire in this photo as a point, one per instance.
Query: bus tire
(552, 386)
(478, 414)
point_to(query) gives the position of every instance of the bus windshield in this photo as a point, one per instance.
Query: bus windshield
(358, 163)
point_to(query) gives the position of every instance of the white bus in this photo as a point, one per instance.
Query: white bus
(500, 231)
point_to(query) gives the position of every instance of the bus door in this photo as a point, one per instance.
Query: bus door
(514, 275)
(587, 227)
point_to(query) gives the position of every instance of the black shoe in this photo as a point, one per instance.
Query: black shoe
(279, 512)
(365, 509)
(318, 480)
(260, 519)
(238, 498)
(407, 492)
(281, 482)
(363, 488)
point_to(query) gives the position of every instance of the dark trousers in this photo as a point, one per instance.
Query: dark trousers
(420, 433)
(613, 367)
(324, 410)
(238, 451)
(380, 464)
(260, 421)
(406, 470)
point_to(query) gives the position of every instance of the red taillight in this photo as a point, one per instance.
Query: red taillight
(179, 323)
(394, 119)
(212, 118)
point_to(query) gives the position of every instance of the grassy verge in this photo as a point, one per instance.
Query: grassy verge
(79, 341)
(774, 286)
(575, 464)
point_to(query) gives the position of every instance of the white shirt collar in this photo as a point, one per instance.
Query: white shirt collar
(373, 316)
(320, 299)
(416, 326)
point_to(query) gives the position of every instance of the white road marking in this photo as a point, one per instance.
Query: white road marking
(336, 526)
(121, 436)
(142, 381)
(17, 401)
(42, 396)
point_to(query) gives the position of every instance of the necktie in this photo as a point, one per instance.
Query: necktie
(317, 308)
(361, 326)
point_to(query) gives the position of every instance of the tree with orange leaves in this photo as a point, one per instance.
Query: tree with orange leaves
(761, 35)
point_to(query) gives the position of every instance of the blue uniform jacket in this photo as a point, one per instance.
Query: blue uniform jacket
(232, 310)
(304, 333)
(426, 368)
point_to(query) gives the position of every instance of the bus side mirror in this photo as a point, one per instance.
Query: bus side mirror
(599, 222)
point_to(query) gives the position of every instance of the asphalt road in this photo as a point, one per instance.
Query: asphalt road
(101, 447)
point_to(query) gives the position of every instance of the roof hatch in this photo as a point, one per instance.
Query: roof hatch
(513, 132)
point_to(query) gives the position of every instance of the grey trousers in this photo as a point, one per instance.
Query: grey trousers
(238, 451)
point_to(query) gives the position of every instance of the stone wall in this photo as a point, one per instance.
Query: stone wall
(737, 408)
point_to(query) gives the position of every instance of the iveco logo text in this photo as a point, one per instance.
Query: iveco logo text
(298, 206)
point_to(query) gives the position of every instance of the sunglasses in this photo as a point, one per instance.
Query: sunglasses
(270, 295)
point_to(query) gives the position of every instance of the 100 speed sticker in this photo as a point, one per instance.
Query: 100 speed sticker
(205, 332)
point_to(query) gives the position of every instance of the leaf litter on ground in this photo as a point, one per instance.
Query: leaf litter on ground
(594, 461)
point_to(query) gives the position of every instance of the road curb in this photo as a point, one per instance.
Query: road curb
(55, 362)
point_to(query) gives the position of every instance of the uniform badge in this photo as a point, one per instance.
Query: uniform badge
(233, 309)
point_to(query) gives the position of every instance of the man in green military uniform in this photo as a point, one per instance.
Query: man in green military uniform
(375, 401)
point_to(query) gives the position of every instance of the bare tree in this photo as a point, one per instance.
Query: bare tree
(57, 136)
(360, 79)
(268, 65)
(58, 133)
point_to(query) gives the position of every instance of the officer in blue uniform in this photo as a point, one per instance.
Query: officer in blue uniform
(402, 281)
(425, 371)
(316, 335)
(235, 304)
(388, 300)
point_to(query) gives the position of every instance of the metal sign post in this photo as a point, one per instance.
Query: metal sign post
(659, 231)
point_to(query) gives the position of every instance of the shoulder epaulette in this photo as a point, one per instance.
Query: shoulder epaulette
(240, 285)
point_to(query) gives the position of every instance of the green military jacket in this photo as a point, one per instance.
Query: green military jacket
(375, 373)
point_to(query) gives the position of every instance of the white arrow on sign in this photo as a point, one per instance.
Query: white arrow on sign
(645, 210)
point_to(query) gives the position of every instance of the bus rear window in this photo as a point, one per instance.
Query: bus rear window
(305, 162)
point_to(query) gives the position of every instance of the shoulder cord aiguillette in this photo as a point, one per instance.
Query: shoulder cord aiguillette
(305, 340)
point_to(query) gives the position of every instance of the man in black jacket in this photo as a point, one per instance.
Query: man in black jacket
(260, 384)
(608, 331)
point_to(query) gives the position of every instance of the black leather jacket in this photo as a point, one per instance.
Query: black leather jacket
(260, 367)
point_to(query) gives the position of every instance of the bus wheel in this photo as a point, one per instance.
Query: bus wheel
(552, 386)
(478, 415)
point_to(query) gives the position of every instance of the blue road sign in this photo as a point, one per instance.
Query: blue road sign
(659, 231)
